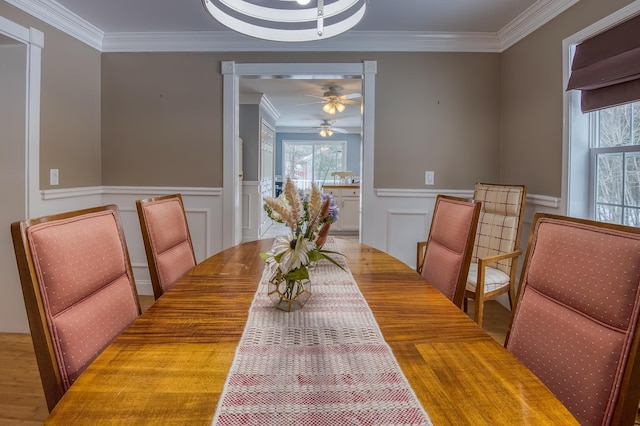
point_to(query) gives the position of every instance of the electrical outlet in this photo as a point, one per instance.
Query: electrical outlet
(53, 176)
(429, 178)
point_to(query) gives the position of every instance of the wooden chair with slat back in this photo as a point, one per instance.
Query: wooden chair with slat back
(575, 324)
(443, 260)
(167, 241)
(494, 262)
(78, 289)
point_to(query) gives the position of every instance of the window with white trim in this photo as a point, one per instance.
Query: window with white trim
(615, 164)
(312, 161)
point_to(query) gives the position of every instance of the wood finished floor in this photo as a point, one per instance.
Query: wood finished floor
(22, 399)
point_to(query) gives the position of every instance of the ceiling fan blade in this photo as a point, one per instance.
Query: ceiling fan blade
(316, 96)
(351, 96)
(310, 103)
(338, 130)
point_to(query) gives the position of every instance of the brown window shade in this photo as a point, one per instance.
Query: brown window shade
(606, 67)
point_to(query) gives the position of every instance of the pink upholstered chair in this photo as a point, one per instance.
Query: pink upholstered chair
(167, 240)
(78, 289)
(575, 324)
(494, 262)
(443, 260)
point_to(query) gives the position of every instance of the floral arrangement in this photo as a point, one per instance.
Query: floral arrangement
(309, 217)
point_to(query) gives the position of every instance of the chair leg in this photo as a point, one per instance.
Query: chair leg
(479, 309)
(511, 296)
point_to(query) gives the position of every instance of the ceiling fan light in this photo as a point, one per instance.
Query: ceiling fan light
(303, 2)
(329, 132)
(323, 133)
(340, 107)
(329, 108)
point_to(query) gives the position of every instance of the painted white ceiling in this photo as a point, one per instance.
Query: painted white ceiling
(429, 17)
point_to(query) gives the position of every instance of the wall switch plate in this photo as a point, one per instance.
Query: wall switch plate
(53, 176)
(429, 177)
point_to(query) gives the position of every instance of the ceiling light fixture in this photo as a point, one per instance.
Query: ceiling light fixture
(326, 129)
(333, 105)
(288, 20)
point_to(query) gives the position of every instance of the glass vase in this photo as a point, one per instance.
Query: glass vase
(289, 295)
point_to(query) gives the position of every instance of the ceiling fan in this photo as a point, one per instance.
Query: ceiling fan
(326, 129)
(334, 101)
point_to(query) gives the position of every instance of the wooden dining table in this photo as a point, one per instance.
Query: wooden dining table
(170, 365)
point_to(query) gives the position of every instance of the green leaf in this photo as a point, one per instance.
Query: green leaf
(300, 273)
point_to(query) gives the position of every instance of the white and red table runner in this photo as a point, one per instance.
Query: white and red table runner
(325, 364)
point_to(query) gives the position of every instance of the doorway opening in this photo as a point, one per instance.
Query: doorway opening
(232, 72)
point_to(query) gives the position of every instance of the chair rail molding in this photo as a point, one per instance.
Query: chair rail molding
(402, 217)
(202, 205)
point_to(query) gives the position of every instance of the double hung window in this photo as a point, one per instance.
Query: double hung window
(615, 164)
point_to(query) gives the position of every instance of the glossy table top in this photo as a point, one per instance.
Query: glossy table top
(170, 365)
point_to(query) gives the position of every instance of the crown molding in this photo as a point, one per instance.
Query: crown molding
(354, 41)
(262, 100)
(61, 18)
(531, 19)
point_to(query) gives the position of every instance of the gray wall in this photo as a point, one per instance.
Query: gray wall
(156, 118)
(249, 129)
(70, 115)
(435, 111)
(161, 120)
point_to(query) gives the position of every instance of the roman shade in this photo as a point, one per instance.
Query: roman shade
(606, 67)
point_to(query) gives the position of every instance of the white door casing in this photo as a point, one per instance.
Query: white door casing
(232, 71)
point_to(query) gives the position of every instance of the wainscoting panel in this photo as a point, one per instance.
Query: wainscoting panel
(404, 229)
(402, 217)
(203, 207)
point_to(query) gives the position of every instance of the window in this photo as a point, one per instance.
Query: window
(615, 164)
(601, 141)
(312, 161)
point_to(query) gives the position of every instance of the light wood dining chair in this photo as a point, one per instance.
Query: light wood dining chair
(167, 240)
(78, 289)
(443, 260)
(494, 261)
(575, 324)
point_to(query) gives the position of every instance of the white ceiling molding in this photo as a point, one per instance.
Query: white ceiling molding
(358, 41)
(61, 18)
(531, 19)
(259, 99)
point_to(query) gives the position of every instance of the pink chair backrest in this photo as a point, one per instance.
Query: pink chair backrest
(449, 246)
(577, 312)
(167, 240)
(79, 269)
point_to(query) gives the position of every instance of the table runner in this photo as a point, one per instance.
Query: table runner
(324, 364)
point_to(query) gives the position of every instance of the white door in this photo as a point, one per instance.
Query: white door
(266, 169)
(237, 232)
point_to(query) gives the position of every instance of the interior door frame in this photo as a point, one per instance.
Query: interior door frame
(34, 41)
(232, 72)
(13, 317)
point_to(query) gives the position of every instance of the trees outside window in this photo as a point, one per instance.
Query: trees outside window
(615, 164)
(313, 161)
